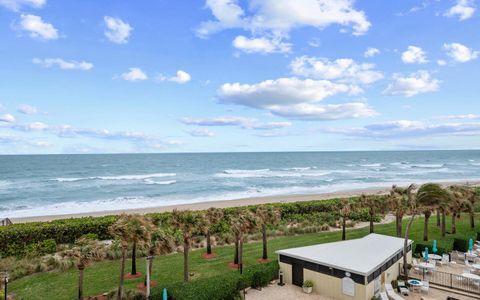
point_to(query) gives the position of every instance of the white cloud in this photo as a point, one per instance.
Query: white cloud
(27, 109)
(261, 45)
(243, 122)
(412, 84)
(371, 52)
(200, 132)
(316, 112)
(62, 64)
(117, 31)
(344, 69)
(408, 128)
(180, 77)
(16, 5)
(7, 118)
(37, 28)
(414, 55)
(35, 126)
(464, 9)
(460, 53)
(441, 62)
(461, 117)
(134, 74)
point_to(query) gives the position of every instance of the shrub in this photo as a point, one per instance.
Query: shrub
(308, 283)
(460, 245)
(90, 236)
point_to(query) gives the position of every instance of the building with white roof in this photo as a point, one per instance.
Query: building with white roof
(352, 269)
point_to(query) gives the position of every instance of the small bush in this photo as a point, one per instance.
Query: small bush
(460, 245)
(308, 283)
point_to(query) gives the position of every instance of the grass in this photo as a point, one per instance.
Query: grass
(104, 276)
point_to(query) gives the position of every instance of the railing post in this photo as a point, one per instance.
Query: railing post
(451, 280)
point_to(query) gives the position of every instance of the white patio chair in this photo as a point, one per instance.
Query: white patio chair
(425, 287)
(383, 296)
(391, 293)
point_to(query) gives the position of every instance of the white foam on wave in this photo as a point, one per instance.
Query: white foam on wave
(373, 165)
(433, 166)
(299, 169)
(166, 182)
(119, 177)
(266, 173)
(475, 164)
(4, 184)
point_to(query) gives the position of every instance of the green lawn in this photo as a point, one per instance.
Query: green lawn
(103, 277)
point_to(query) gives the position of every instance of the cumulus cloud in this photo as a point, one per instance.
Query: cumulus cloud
(117, 31)
(62, 64)
(316, 112)
(7, 118)
(27, 109)
(460, 53)
(413, 55)
(134, 74)
(261, 45)
(34, 126)
(344, 69)
(243, 122)
(371, 52)
(464, 9)
(180, 77)
(441, 62)
(408, 128)
(412, 84)
(37, 28)
(200, 132)
(16, 5)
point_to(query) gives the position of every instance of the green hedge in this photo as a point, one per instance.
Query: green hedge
(419, 248)
(460, 245)
(221, 287)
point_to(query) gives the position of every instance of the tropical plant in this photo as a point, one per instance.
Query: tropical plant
(266, 215)
(83, 253)
(243, 221)
(399, 200)
(459, 203)
(212, 217)
(140, 233)
(346, 207)
(427, 214)
(161, 242)
(126, 229)
(186, 222)
(373, 204)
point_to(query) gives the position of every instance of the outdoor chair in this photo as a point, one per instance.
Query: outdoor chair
(391, 293)
(402, 288)
(425, 286)
(383, 296)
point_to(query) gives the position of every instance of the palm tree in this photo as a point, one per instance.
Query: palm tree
(467, 194)
(84, 252)
(126, 227)
(346, 208)
(373, 204)
(459, 203)
(140, 234)
(427, 214)
(186, 222)
(242, 222)
(398, 200)
(212, 217)
(266, 215)
(161, 243)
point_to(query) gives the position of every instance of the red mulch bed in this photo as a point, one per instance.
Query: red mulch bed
(233, 265)
(130, 276)
(263, 261)
(209, 256)
(143, 287)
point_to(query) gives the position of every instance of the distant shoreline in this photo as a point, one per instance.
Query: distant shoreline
(233, 203)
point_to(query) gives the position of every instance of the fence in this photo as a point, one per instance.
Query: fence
(450, 280)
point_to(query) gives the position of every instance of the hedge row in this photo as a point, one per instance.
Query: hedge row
(15, 239)
(419, 248)
(231, 284)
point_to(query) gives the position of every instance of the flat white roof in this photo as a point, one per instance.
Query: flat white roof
(361, 256)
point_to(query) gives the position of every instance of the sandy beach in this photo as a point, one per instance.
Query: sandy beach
(232, 203)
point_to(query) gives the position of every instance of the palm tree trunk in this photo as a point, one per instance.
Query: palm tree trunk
(425, 227)
(454, 225)
(443, 223)
(264, 239)
(472, 219)
(240, 255)
(405, 246)
(185, 259)
(235, 259)
(122, 273)
(134, 259)
(438, 218)
(80, 282)
(344, 237)
(209, 243)
(399, 225)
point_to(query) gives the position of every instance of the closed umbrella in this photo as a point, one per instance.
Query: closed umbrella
(434, 248)
(165, 296)
(470, 245)
(425, 254)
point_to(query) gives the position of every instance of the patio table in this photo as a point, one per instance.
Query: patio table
(435, 256)
(427, 266)
(415, 284)
(471, 276)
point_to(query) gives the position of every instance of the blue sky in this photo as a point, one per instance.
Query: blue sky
(226, 75)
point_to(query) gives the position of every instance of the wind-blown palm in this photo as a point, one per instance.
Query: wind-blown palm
(398, 201)
(130, 228)
(266, 215)
(212, 217)
(373, 204)
(242, 222)
(346, 207)
(186, 222)
(84, 252)
(161, 243)
(459, 203)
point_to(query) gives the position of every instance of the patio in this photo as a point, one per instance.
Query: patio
(289, 292)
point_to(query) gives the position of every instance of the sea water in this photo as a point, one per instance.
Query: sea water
(34, 185)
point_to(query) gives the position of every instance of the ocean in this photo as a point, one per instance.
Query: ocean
(36, 185)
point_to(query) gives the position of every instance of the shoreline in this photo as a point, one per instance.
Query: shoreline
(233, 203)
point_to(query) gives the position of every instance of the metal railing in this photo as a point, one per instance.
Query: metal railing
(450, 280)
